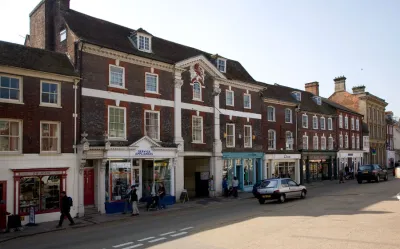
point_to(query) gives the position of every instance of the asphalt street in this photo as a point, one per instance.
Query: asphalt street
(340, 215)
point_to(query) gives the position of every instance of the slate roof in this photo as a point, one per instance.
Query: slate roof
(307, 102)
(113, 36)
(16, 55)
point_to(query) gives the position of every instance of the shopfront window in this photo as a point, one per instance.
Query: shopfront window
(285, 169)
(119, 180)
(154, 173)
(162, 174)
(41, 192)
(248, 172)
(228, 170)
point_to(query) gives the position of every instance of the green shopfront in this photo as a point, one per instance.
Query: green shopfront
(246, 166)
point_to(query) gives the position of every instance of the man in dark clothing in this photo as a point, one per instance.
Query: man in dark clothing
(65, 206)
(134, 200)
(161, 195)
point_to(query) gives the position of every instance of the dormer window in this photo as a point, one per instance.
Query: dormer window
(144, 43)
(297, 96)
(63, 35)
(221, 65)
(318, 100)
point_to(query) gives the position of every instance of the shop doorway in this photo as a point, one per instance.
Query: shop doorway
(88, 179)
(239, 175)
(201, 184)
(3, 204)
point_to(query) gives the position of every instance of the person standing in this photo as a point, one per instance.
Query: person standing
(225, 186)
(235, 185)
(127, 198)
(134, 200)
(161, 195)
(65, 206)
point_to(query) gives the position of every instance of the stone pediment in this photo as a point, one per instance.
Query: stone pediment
(145, 143)
(202, 62)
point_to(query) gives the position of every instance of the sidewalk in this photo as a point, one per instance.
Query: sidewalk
(94, 219)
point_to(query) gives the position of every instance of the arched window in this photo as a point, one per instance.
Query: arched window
(197, 91)
(271, 140)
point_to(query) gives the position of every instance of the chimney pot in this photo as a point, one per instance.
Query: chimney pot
(340, 84)
(312, 87)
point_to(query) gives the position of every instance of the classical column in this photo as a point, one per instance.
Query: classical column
(81, 187)
(102, 164)
(172, 164)
(216, 163)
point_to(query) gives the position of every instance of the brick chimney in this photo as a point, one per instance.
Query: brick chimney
(312, 87)
(340, 84)
(358, 89)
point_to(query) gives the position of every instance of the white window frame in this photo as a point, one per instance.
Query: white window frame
(302, 121)
(341, 121)
(63, 35)
(346, 141)
(109, 77)
(330, 143)
(244, 96)
(297, 95)
(353, 142)
(352, 125)
(224, 65)
(226, 97)
(157, 83)
(305, 147)
(323, 143)
(58, 93)
(315, 138)
(144, 42)
(330, 124)
(274, 132)
(201, 94)
(145, 124)
(340, 141)
(315, 122)
(20, 136)
(358, 142)
(20, 84)
(108, 123)
(249, 136)
(346, 122)
(202, 129)
(322, 123)
(233, 135)
(273, 114)
(289, 146)
(357, 124)
(288, 111)
(58, 136)
(318, 100)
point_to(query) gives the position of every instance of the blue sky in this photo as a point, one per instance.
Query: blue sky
(289, 42)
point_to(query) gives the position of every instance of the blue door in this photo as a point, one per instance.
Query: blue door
(239, 175)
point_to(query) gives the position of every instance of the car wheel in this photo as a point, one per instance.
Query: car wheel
(303, 194)
(282, 198)
(359, 181)
(386, 177)
(261, 201)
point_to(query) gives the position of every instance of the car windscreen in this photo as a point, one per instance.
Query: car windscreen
(269, 184)
(365, 167)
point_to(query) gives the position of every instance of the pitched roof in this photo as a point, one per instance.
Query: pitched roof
(340, 107)
(16, 55)
(113, 36)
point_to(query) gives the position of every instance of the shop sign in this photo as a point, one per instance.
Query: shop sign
(144, 153)
(286, 156)
(124, 165)
(350, 155)
(40, 173)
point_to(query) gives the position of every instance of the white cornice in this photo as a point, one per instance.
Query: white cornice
(242, 85)
(279, 102)
(37, 74)
(205, 63)
(113, 54)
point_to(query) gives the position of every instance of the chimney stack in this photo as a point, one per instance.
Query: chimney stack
(358, 89)
(340, 84)
(312, 87)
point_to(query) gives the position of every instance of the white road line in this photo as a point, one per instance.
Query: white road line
(140, 240)
(134, 246)
(178, 234)
(121, 245)
(167, 233)
(155, 240)
(187, 228)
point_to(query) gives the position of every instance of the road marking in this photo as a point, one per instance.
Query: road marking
(134, 246)
(146, 239)
(178, 234)
(187, 228)
(167, 233)
(121, 245)
(155, 240)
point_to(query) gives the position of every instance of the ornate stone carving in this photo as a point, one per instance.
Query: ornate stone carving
(82, 166)
(216, 91)
(178, 83)
(103, 165)
(84, 137)
(197, 74)
(107, 145)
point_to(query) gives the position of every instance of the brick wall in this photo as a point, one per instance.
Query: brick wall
(37, 28)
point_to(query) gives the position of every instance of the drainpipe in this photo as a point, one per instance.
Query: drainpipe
(75, 115)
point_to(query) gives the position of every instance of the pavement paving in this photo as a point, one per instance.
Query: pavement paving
(347, 215)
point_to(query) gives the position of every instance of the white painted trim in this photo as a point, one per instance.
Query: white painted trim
(201, 94)
(197, 153)
(108, 123)
(240, 114)
(223, 60)
(226, 97)
(234, 135)
(58, 93)
(269, 148)
(251, 137)
(58, 137)
(291, 116)
(157, 83)
(207, 64)
(302, 121)
(320, 126)
(109, 76)
(145, 123)
(21, 90)
(202, 129)
(139, 34)
(247, 94)
(37, 74)
(274, 116)
(21, 134)
(331, 121)
(282, 157)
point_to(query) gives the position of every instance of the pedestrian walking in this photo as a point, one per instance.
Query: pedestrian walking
(341, 176)
(127, 198)
(225, 186)
(134, 200)
(65, 206)
(235, 185)
(161, 195)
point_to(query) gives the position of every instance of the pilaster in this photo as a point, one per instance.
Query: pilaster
(178, 82)
(102, 164)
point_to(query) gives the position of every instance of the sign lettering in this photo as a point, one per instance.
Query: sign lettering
(40, 173)
(286, 156)
(144, 153)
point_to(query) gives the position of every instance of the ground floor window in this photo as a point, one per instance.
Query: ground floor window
(228, 170)
(118, 181)
(247, 171)
(155, 174)
(285, 169)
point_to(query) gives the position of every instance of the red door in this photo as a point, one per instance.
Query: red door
(3, 205)
(88, 179)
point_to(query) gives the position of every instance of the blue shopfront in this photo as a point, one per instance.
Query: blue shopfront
(246, 166)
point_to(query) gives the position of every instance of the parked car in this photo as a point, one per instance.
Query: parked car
(280, 189)
(371, 172)
(255, 186)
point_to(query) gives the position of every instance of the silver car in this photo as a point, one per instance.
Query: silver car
(280, 189)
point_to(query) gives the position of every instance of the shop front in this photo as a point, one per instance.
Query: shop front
(145, 164)
(318, 166)
(282, 165)
(246, 166)
(390, 158)
(350, 159)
